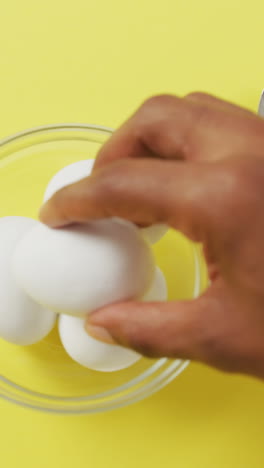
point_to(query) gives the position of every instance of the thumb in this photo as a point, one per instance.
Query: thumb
(156, 329)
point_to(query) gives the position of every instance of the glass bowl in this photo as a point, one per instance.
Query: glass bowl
(42, 376)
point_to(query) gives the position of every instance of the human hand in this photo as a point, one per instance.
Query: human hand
(196, 164)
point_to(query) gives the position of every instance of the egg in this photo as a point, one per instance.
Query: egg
(154, 233)
(158, 290)
(81, 268)
(22, 321)
(68, 175)
(90, 352)
(94, 354)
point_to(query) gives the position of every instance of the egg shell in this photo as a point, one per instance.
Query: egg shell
(68, 175)
(158, 291)
(81, 268)
(88, 351)
(22, 321)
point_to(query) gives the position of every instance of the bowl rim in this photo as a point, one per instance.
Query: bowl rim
(163, 371)
(55, 127)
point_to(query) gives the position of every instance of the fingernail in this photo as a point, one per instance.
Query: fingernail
(99, 333)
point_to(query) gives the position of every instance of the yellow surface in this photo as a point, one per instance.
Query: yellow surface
(95, 62)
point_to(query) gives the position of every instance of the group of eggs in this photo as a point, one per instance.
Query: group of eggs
(71, 272)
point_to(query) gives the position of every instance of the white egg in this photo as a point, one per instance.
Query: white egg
(158, 290)
(94, 354)
(154, 233)
(90, 352)
(81, 268)
(22, 321)
(68, 175)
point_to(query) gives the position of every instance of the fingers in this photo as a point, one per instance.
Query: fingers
(171, 329)
(164, 127)
(197, 127)
(144, 192)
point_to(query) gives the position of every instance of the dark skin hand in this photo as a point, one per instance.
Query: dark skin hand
(197, 164)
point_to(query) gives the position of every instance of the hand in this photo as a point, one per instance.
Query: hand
(197, 164)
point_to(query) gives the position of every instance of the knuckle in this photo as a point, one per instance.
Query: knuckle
(236, 190)
(196, 95)
(111, 187)
(155, 109)
(106, 185)
(156, 102)
(213, 346)
(144, 343)
(202, 115)
(245, 179)
(156, 122)
(224, 353)
(222, 342)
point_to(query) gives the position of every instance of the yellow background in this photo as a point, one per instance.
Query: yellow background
(95, 61)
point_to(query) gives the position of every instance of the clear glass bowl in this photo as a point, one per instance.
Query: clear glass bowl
(42, 376)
